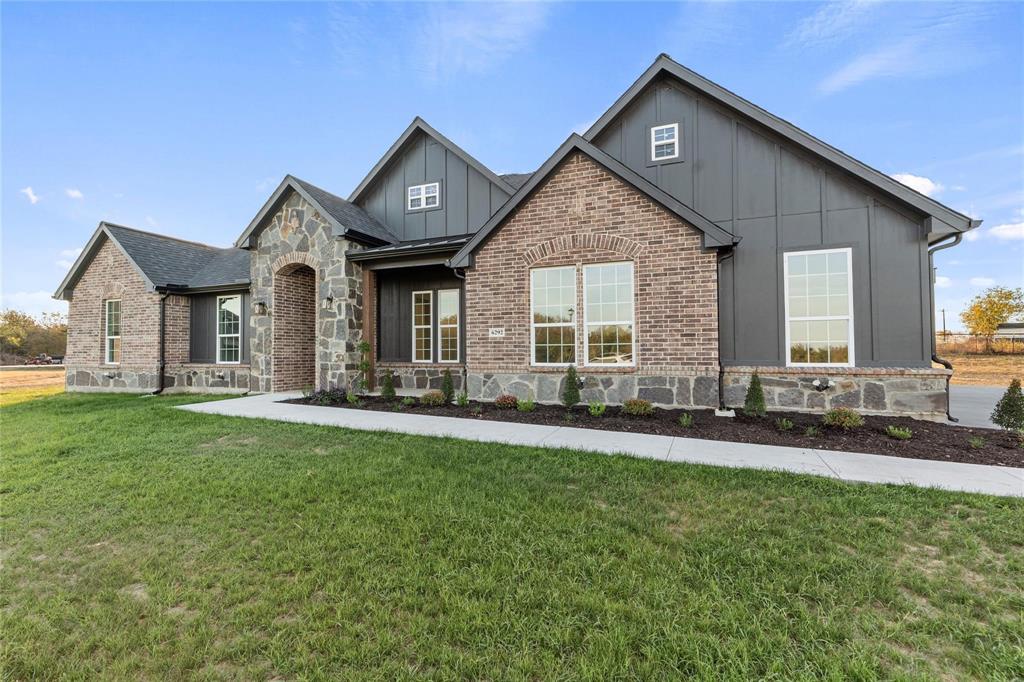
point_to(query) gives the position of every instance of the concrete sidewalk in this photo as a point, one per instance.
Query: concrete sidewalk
(846, 466)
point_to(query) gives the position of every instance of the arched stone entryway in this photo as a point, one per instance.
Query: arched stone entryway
(294, 322)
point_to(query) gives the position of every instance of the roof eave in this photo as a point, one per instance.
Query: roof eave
(66, 289)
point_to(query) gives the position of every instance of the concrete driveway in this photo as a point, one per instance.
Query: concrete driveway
(973, 405)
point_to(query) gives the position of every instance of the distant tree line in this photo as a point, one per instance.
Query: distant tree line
(23, 336)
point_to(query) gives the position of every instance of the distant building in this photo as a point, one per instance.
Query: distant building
(1010, 330)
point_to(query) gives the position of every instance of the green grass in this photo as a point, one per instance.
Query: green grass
(145, 542)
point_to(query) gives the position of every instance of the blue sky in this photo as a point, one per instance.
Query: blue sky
(182, 118)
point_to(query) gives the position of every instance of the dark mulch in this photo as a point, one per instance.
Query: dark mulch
(930, 440)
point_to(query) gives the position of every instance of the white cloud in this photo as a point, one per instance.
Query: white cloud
(973, 235)
(925, 186)
(32, 198)
(943, 282)
(831, 23)
(34, 303)
(67, 258)
(1008, 231)
(982, 281)
(476, 37)
(74, 193)
(901, 59)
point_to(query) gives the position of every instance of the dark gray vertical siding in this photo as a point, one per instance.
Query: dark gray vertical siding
(203, 327)
(394, 312)
(468, 199)
(777, 197)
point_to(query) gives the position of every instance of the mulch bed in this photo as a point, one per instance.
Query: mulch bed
(930, 440)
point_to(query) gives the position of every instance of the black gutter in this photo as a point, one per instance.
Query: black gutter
(723, 255)
(931, 285)
(163, 344)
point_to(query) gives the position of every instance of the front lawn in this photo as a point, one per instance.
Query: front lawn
(145, 542)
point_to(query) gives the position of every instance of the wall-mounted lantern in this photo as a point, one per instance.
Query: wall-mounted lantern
(259, 308)
(327, 303)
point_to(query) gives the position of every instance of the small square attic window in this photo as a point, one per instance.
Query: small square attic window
(665, 142)
(424, 196)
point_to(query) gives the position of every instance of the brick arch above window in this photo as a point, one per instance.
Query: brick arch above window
(582, 241)
(291, 261)
(113, 290)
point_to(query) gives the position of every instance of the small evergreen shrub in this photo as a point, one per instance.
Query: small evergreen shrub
(432, 399)
(363, 383)
(686, 420)
(506, 402)
(327, 396)
(571, 392)
(408, 401)
(569, 417)
(1009, 412)
(783, 424)
(638, 407)
(898, 432)
(527, 405)
(842, 418)
(387, 386)
(753, 405)
(812, 431)
(596, 408)
(448, 387)
(353, 399)
(462, 399)
(976, 442)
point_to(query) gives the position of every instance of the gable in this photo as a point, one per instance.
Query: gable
(470, 193)
(732, 150)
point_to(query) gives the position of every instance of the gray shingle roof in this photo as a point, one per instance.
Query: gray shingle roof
(167, 261)
(517, 180)
(409, 248)
(348, 214)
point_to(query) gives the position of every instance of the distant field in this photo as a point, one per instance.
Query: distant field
(19, 385)
(985, 370)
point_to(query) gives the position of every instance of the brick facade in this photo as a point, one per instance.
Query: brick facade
(294, 328)
(582, 214)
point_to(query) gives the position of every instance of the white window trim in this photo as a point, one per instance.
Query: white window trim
(457, 325)
(222, 336)
(675, 141)
(817, 318)
(107, 336)
(429, 326)
(632, 323)
(536, 325)
(423, 196)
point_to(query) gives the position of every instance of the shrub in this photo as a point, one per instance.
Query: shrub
(596, 408)
(569, 417)
(363, 383)
(976, 442)
(1009, 412)
(448, 387)
(387, 386)
(753, 405)
(462, 399)
(898, 432)
(686, 420)
(408, 401)
(812, 432)
(638, 407)
(571, 392)
(352, 398)
(526, 405)
(783, 424)
(842, 418)
(506, 402)
(432, 399)
(398, 407)
(327, 396)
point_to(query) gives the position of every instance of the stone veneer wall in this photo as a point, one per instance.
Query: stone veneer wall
(299, 234)
(206, 378)
(412, 375)
(910, 392)
(582, 214)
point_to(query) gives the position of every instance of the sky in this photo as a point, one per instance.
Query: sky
(183, 118)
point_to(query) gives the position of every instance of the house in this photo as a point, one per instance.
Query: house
(687, 239)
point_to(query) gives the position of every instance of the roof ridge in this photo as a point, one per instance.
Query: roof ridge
(107, 223)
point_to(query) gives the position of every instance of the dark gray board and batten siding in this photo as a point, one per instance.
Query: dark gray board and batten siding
(394, 309)
(776, 197)
(468, 198)
(203, 327)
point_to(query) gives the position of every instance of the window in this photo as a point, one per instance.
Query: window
(424, 196)
(553, 303)
(229, 329)
(422, 326)
(608, 313)
(448, 325)
(665, 142)
(819, 307)
(112, 342)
